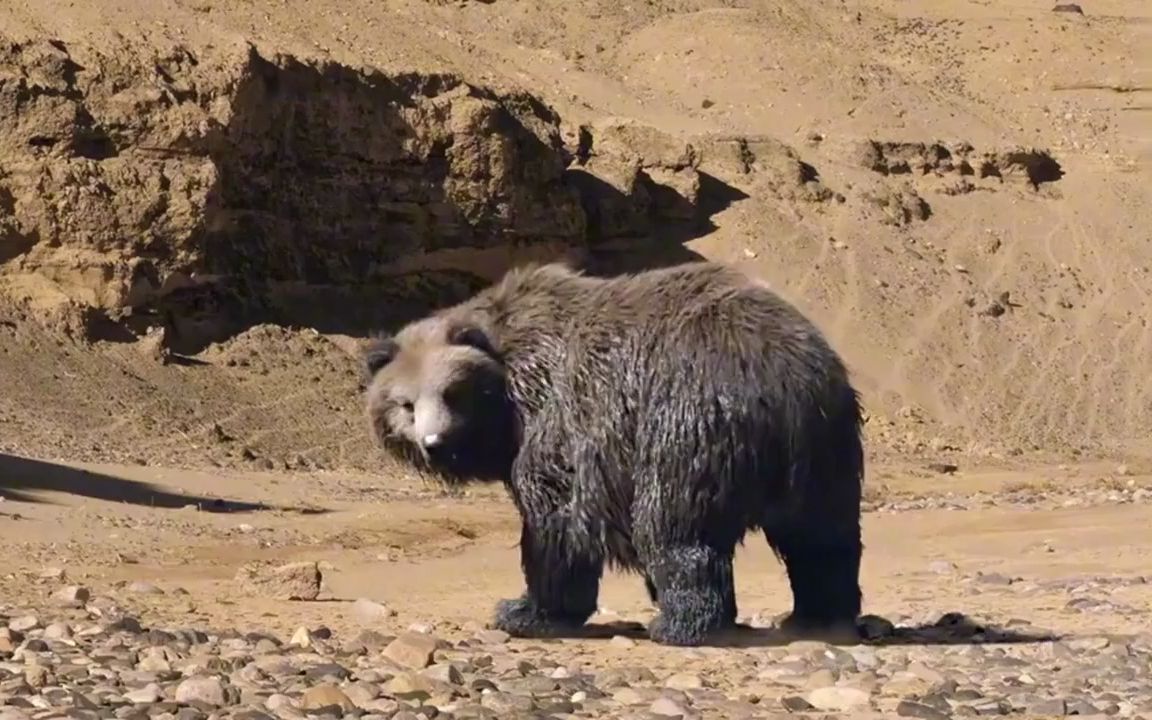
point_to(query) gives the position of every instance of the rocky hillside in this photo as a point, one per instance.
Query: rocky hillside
(204, 204)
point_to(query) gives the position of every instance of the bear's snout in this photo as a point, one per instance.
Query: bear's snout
(432, 423)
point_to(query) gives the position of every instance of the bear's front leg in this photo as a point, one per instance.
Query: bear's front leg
(562, 586)
(696, 591)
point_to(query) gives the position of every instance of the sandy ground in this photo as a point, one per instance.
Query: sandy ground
(444, 561)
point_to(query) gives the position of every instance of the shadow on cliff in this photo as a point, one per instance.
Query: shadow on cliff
(24, 480)
(350, 201)
(631, 234)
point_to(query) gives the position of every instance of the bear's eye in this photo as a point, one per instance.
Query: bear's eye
(379, 353)
(407, 405)
(471, 336)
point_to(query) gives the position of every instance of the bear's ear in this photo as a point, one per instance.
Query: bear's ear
(378, 353)
(472, 336)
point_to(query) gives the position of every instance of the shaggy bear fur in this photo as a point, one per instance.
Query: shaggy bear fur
(646, 421)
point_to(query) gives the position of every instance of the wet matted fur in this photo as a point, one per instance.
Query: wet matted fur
(646, 421)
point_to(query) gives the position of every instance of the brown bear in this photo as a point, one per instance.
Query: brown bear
(646, 421)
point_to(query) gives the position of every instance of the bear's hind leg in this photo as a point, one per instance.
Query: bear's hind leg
(697, 595)
(824, 574)
(562, 588)
(819, 536)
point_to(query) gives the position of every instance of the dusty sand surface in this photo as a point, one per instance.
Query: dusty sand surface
(445, 560)
(206, 204)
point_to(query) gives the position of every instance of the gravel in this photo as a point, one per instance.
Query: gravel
(1043, 497)
(93, 662)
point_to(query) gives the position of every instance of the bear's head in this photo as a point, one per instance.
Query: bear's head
(436, 395)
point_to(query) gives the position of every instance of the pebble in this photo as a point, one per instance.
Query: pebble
(278, 702)
(146, 695)
(9, 640)
(493, 637)
(207, 690)
(322, 696)
(23, 623)
(292, 581)
(684, 681)
(665, 707)
(411, 650)
(60, 665)
(910, 709)
(144, 588)
(370, 612)
(302, 638)
(74, 596)
(58, 631)
(838, 698)
(621, 641)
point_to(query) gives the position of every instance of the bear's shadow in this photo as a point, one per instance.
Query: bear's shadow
(951, 629)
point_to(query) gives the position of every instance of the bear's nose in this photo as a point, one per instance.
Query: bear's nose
(430, 441)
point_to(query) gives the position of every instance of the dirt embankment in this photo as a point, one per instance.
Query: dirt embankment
(195, 227)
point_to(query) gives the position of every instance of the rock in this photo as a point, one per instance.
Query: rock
(665, 707)
(294, 581)
(322, 696)
(990, 707)
(412, 650)
(624, 677)
(37, 676)
(493, 637)
(684, 681)
(795, 703)
(141, 587)
(302, 638)
(154, 660)
(57, 631)
(925, 673)
(504, 177)
(146, 695)
(838, 699)
(201, 689)
(407, 684)
(329, 671)
(9, 639)
(820, 678)
(633, 696)
(445, 673)
(1081, 707)
(154, 345)
(1056, 707)
(278, 702)
(361, 693)
(370, 612)
(621, 641)
(74, 596)
(506, 703)
(910, 709)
